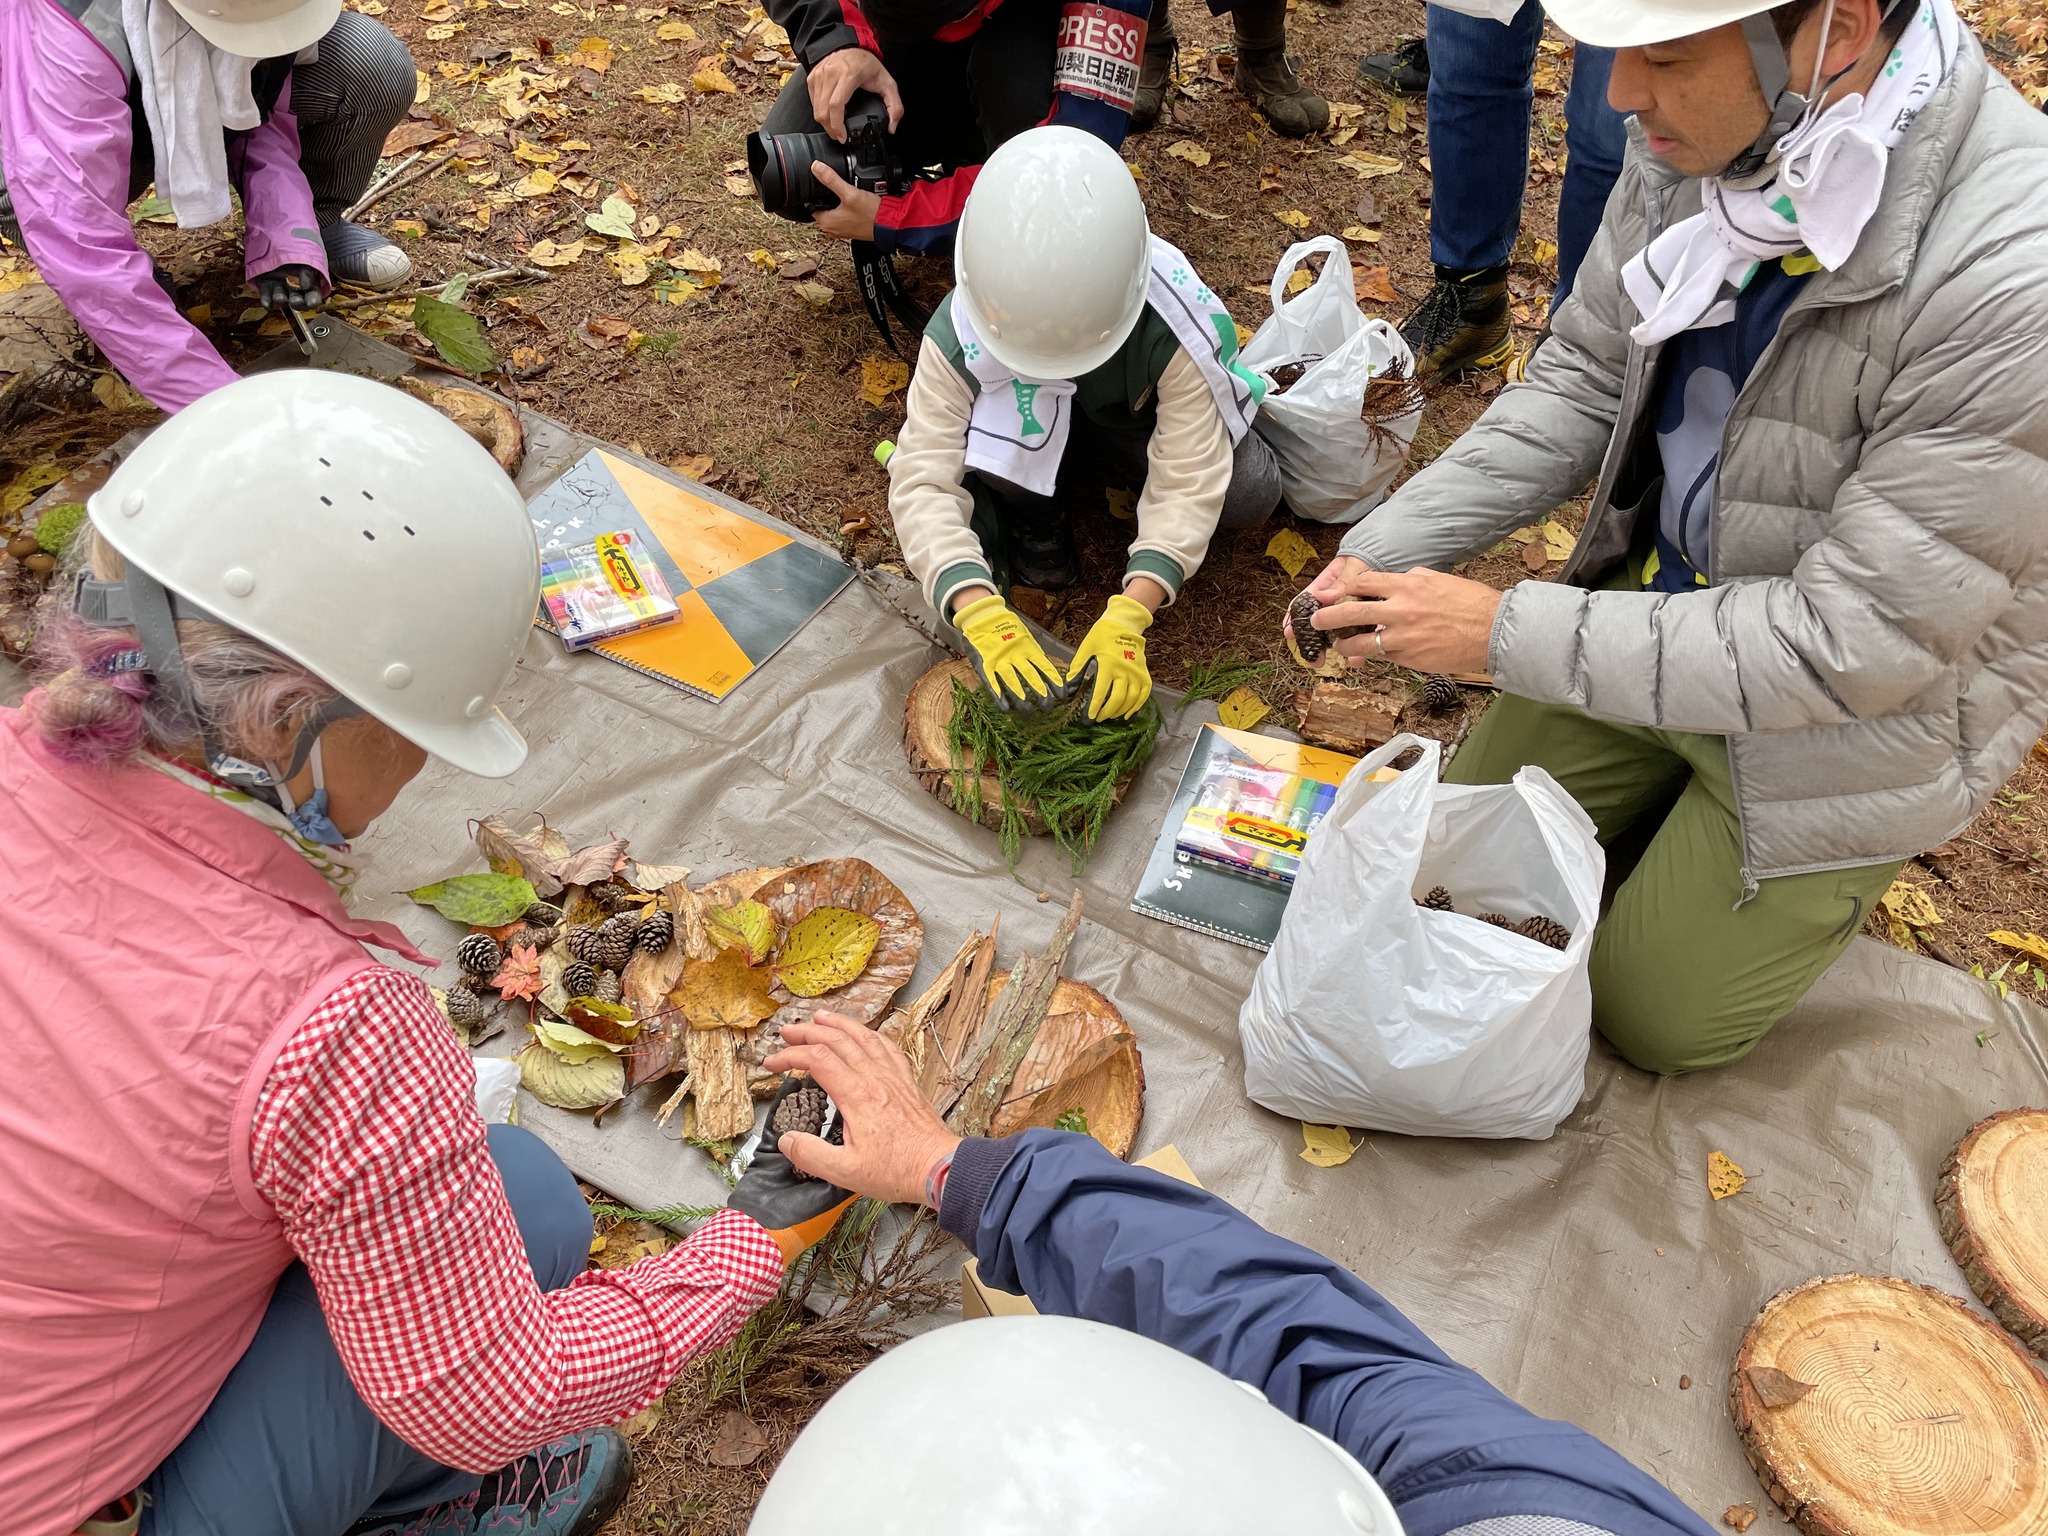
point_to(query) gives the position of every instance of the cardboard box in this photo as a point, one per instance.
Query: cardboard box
(979, 1300)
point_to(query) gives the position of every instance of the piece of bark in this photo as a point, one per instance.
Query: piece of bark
(718, 1084)
(1924, 1419)
(1739, 1517)
(1991, 1200)
(973, 1091)
(1084, 1057)
(1352, 720)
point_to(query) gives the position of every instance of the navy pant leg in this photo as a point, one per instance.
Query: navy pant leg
(287, 1447)
(1480, 93)
(1595, 139)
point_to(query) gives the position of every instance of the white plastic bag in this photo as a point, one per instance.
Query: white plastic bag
(1373, 1011)
(1334, 466)
(497, 1090)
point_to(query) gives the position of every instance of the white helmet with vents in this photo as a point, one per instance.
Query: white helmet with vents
(355, 530)
(1027, 1426)
(260, 29)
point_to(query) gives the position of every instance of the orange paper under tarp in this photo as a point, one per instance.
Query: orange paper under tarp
(742, 587)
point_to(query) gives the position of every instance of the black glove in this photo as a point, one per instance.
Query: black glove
(797, 1209)
(293, 285)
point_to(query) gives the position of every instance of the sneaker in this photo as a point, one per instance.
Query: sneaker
(1267, 77)
(1155, 75)
(568, 1487)
(1405, 71)
(363, 257)
(1461, 323)
(1042, 554)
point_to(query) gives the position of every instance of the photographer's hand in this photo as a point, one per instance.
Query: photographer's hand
(854, 218)
(834, 79)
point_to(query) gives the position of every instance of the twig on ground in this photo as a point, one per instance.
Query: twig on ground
(496, 274)
(376, 189)
(868, 580)
(522, 268)
(391, 184)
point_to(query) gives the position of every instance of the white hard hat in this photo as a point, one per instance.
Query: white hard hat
(355, 530)
(260, 29)
(1053, 254)
(1638, 23)
(1029, 1426)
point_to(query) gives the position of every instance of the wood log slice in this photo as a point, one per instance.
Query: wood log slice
(1083, 1057)
(927, 715)
(1876, 1407)
(1993, 1203)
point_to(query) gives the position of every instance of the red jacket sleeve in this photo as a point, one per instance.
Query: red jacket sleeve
(66, 142)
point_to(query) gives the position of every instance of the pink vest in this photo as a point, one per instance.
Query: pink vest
(158, 950)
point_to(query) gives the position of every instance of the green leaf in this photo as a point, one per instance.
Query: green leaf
(615, 218)
(153, 210)
(454, 333)
(828, 949)
(571, 1085)
(481, 901)
(1073, 1120)
(573, 1045)
(453, 290)
(748, 925)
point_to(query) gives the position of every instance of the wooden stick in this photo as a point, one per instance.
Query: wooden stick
(382, 182)
(391, 184)
(506, 262)
(1012, 1023)
(496, 274)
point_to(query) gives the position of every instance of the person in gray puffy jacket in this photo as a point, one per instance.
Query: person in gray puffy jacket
(1804, 634)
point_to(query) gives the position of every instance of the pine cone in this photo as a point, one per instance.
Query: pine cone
(1438, 900)
(1439, 693)
(1308, 640)
(1545, 930)
(579, 978)
(612, 895)
(479, 955)
(465, 1008)
(615, 940)
(581, 943)
(608, 988)
(543, 914)
(533, 938)
(656, 930)
(803, 1109)
(1500, 922)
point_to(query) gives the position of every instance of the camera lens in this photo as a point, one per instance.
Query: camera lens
(780, 165)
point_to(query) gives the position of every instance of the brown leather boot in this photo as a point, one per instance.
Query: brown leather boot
(1268, 79)
(1155, 72)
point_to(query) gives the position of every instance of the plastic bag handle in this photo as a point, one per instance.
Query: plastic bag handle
(1300, 252)
(1394, 746)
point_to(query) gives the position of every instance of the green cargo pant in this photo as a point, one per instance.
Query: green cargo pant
(1682, 977)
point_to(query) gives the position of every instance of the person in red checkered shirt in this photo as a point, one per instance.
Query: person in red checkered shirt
(263, 1269)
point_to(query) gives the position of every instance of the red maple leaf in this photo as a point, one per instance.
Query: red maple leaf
(519, 977)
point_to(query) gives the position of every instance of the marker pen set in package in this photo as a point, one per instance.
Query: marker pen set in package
(603, 589)
(1254, 821)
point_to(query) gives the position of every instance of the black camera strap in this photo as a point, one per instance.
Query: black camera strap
(876, 271)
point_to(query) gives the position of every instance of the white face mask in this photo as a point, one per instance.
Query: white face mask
(311, 819)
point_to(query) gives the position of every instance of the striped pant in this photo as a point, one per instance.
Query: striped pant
(345, 104)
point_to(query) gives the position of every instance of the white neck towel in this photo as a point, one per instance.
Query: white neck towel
(1829, 178)
(192, 94)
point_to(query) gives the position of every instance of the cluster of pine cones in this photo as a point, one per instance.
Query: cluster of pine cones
(596, 954)
(1543, 930)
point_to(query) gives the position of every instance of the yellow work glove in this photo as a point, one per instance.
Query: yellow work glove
(1114, 656)
(1013, 666)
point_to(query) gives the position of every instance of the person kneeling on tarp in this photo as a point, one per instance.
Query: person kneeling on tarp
(1072, 330)
(1045, 1424)
(263, 1272)
(285, 102)
(1804, 633)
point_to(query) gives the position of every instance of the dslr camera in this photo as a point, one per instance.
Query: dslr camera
(780, 163)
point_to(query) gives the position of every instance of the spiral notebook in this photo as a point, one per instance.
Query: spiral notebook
(1182, 887)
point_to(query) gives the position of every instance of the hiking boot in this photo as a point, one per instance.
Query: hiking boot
(1268, 79)
(1405, 71)
(1155, 75)
(1041, 554)
(1461, 323)
(568, 1487)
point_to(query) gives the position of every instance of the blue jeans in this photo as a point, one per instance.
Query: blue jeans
(1479, 100)
(288, 1448)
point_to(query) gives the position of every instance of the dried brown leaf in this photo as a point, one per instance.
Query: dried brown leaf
(1775, 1388)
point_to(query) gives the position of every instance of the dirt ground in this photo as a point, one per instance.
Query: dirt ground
(733, 346)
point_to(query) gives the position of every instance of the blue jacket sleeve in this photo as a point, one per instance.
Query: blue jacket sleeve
(1055, 1217)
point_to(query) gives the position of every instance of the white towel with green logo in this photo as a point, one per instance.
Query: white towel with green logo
(1019, 429)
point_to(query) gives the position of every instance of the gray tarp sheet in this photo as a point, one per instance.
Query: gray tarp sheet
(1582, 1275)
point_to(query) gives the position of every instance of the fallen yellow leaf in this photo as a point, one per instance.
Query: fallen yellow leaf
(2029, 944)
(668, 91)
(1397, 117)
(1291, 550)
(1367, 165)
(629, 261)
(545, 253)
(1242, 709)
(532, 154)
(592, 53)
(1557, 539)
(881, 377)
(1190, 151)
(675, 32)
(536, 184)
(714, 79)
(411, 227)
(815, 294)
(1326, 1146)
(1298, 280)
(1359, 234)
(1910, 904)
(765, 260)
(1293, 218)
(724, 993)
(423, 87)
(1122, 502)
(1723, 1177)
